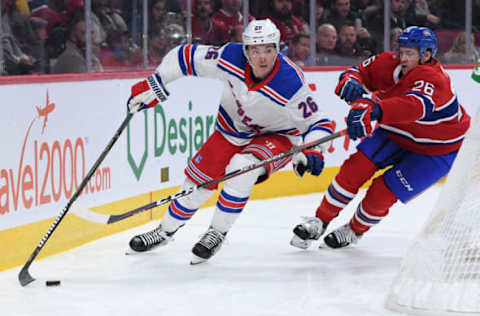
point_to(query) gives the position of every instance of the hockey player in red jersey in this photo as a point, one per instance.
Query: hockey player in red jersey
(421, 126)
(266, 107)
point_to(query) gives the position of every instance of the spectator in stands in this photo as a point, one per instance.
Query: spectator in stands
(156, 48)
(359, 6)
(326, 39)
(456, 54)
(55, 43)
(301, 9)
(175, 6)
(57, 5)
(22, 29)
(400, 16)
(40, 9)
(326, 43)
(424, 15)
(341, 13)
(157, 13)
(17, 53)
(280, 13)
(394, 38)
(347, 46)
(453, 16)
(204, 28)
(257, 8)
(236, 34)
(299, 49)
(74, 8)
(111, 21)
(366, 43)
(321, 13)
(72, 60)
(230, 15)
(120, 54)
(40, 27)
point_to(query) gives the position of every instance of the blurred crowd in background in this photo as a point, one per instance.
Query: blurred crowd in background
(50, 36)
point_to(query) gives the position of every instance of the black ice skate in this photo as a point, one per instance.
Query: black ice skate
(311, 229)
(342, 237)
(207, 246)
(151, 239)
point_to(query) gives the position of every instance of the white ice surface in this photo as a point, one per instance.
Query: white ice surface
(256, 272)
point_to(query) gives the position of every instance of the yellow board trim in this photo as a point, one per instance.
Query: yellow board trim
(18, 243)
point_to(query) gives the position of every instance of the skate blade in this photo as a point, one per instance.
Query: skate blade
(196, 260)
(300, 243)
(130, 252)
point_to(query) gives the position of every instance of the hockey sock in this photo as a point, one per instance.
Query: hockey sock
(374, 206)
(335, 200)
(355, 171)
(181, 210)
(227, 211)
(235, 193)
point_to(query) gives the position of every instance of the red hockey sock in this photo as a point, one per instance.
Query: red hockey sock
(355, 171)
(374, 206)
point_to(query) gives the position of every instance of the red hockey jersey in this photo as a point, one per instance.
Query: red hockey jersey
(421, 112)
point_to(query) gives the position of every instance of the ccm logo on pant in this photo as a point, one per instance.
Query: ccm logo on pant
(403, 180)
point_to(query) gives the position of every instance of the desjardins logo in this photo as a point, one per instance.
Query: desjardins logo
(184, 135)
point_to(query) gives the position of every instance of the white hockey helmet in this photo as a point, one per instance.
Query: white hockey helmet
(261, 32)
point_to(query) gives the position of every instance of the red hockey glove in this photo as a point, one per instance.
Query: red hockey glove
(147, 93)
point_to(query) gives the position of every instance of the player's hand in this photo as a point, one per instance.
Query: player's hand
(359, 120)
(309, 160)
(349, 88)
(147, 93)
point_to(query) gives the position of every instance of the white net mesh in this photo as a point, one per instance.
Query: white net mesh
(440, 274)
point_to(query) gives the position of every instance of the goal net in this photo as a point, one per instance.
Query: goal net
(440, 274)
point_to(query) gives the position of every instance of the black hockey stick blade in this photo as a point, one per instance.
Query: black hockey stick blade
(24, 276)
(92, 216)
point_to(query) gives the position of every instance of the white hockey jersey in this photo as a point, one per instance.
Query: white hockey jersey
(280, 104)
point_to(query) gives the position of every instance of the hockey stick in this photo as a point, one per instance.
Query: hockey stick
(24, 276)
(98, 218)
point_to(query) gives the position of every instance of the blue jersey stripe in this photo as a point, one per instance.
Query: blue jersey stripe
(230, 72)
(446, 113)
(428, 105)
(233, 54)
(194, 48)
(181, 61)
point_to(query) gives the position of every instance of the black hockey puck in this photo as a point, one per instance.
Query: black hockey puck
(52, 283)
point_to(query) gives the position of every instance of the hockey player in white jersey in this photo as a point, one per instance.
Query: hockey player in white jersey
(266, 108)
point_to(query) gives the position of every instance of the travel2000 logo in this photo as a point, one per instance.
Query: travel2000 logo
(184, 135)
(47, 169)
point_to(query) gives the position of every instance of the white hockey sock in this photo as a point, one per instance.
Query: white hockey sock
(181, 210)
(227, 211)
(235, 193)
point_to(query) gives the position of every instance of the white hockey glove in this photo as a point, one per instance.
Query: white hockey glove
(147, 93)
(309, 160)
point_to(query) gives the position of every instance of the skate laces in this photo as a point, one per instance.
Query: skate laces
(345, 235)
(212, 238)
(313, 225)
(154, 237)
